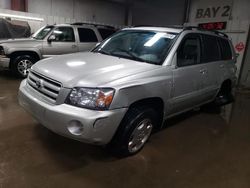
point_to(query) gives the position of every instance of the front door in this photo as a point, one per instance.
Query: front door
(188, 76)
(64, 42)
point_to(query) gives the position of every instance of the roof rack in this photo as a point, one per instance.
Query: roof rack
(93, 24)
(168, 26)
(142, 26)
(201, 29)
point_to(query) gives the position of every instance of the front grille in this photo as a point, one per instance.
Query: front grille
(44, 85)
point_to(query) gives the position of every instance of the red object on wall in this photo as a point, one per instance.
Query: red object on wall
(213, 25)
(19, 5)
(239, 47)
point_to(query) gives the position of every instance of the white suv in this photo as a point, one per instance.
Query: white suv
(19, 55)
(127, 86)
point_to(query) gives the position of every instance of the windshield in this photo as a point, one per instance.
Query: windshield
(145, 46)
(42, 33)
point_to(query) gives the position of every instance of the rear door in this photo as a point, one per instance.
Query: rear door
(211, 58)
(227, 63)
(188, 76)
(64, 42)
(88, 38)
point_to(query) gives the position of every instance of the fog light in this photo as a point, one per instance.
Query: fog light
(75, 127)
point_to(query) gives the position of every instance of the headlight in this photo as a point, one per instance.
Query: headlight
(92, 98)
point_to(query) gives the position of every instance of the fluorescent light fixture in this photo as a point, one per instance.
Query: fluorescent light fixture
(21, 17)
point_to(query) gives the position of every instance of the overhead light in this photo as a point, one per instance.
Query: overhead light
(21, 17)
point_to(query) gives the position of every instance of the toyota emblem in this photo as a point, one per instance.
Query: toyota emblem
(39, 83)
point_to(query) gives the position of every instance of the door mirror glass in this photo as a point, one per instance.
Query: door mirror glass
(51, 38)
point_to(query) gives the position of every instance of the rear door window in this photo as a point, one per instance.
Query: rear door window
(211, 50)
(226, 52)
(87, 35)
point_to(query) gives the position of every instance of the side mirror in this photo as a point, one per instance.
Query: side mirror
(51, 38)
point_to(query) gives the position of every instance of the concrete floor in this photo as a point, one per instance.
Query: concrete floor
(195, 150)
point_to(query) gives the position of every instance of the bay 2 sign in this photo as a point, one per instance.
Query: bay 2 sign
(214, 10)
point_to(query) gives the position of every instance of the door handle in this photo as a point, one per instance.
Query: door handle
(74, 46)
(202, 71)
(221, 66)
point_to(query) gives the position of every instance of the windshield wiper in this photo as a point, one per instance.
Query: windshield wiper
(133, 57)
(103, 52)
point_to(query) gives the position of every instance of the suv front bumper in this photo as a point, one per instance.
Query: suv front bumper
(4, 62)
(98, 126)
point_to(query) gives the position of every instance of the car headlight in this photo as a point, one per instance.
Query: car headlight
(92, 98)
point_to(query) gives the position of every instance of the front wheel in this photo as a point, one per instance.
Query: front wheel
(21, 65)
(134, 131)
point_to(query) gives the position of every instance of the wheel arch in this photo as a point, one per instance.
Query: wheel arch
(15, 54)
(226, 85)
(155, 103)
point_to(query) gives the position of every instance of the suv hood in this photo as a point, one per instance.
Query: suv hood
(89, 69)
(19, 43)
(17, 40)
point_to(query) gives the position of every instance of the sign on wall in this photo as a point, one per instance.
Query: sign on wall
(239, 47)
(214, 10)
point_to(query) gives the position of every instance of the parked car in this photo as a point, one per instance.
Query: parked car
(19, 55)
(130, 84)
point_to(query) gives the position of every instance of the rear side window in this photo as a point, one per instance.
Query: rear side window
(226, 53)
(189, 52)
(105, 33)
(211, 51)
(87, 35)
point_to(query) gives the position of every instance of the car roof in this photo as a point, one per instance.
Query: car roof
(179, 29)
(99, 26)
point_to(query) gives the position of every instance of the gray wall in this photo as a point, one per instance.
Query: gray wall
(5, 4)
(89, 10)
(245, 75)
(158, 12)
(141, 12)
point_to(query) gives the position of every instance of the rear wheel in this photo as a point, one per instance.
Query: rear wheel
(21, 65)
(224, 96)
(134, 131)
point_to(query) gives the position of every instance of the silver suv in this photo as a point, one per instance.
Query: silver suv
(20, 54)
(118, 93)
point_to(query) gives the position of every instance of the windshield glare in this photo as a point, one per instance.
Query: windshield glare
(145, 46)
(43, 32)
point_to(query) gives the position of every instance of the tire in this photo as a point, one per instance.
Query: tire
(21, 64)
(133, 132)
(224, 96)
